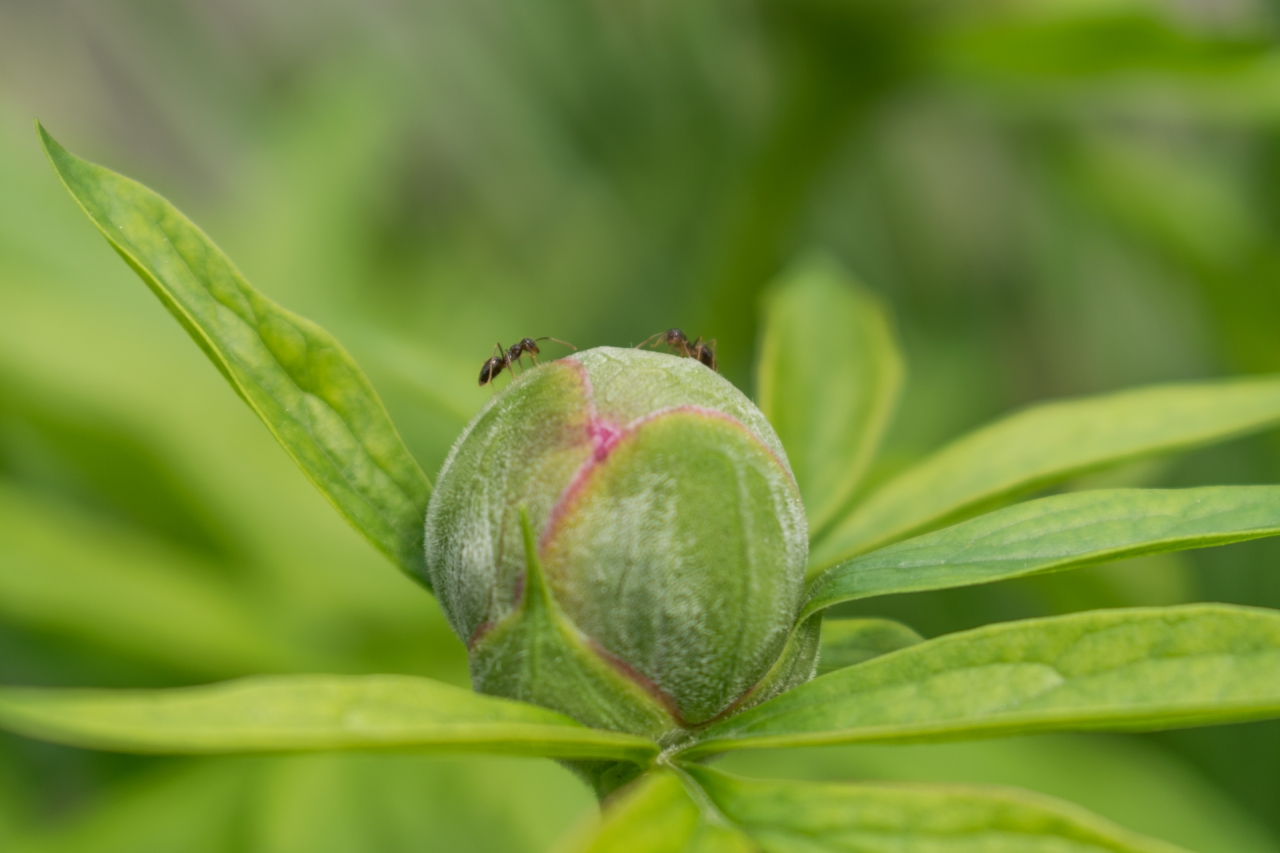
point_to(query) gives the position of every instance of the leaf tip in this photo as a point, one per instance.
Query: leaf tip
(58, 156)
(47, 142)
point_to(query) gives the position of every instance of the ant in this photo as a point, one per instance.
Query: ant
(508, 359)
(676, 340)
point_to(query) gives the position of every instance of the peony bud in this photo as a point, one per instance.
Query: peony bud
(618, 535)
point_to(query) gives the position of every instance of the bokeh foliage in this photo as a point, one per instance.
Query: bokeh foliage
(1056, 198)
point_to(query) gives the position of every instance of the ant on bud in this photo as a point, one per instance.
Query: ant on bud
(676, 340)
(508, 359)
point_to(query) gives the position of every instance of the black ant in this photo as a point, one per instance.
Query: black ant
(676, 340)
(508, 359)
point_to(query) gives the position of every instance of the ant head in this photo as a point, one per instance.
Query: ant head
(675, 337)
(490, 370)
(530, 345)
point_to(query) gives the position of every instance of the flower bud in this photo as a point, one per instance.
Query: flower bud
(618, 535)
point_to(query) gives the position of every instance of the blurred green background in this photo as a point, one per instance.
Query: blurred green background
(1058, 197)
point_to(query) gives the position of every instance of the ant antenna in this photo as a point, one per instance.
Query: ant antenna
(649, 339)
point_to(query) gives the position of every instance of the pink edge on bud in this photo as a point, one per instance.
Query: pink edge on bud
(478, 634)
(644, 682)
(607, 435)
(604, 436)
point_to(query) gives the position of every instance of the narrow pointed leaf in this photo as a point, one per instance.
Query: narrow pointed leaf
(1053, 534)
(306, 712)
(828, 379)
(660, 814)
(1044, 445)
(808, 817)
(846, 642)
(1114, 670)
(292, 373)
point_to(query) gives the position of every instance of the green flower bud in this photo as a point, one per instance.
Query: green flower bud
(618, 535)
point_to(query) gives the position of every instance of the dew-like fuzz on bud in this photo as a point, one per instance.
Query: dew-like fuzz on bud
(666, 529)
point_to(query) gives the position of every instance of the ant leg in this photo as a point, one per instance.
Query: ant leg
(504, 357)
(647, 340)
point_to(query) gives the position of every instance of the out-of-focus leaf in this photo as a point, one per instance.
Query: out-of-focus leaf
(1133, 781)
(439, 382)
(1046, 444)
(60, 572)
(828, 379)
(107, 467)
(808, 817)
(1071, 47)
(196, 809)
(1056, 533)
(321, 803)
(293, 374)
(1114, 670)
(660, 813)
(343, 802)
(306, 712)
(846, 642)
(14, 804)
(1194, 218)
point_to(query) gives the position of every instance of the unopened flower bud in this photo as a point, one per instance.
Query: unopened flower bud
(618, 535)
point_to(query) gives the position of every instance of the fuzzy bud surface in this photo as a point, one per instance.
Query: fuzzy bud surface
(659, 570)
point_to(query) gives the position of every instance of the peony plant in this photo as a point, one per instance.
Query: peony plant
(639, 560)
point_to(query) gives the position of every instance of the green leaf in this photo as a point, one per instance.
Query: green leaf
(1134, 781)
(1047, 444)
(293, 374)
(828, 380)
(809, 817)
(1114, 670)
(699, 810)
(1056, 533)
(663, 812)
(306, 712)
(846, 642)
